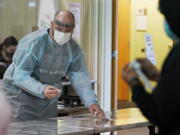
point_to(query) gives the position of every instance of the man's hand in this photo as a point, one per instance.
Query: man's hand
(51, 92)
(149, 69)
(96, 111)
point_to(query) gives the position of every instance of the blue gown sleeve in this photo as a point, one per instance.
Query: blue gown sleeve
(80, 80)
(25, 61)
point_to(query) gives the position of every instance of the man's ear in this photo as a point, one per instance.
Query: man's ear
(51, 30)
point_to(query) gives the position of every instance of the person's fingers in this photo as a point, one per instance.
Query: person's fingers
(101, 114)
(50, 92)
(53, 93)
(144, 62)
(125, 73)
(51, 88)
(57, 91)
(126, 68)
(98, 111)
(51, 96)
(91, 111)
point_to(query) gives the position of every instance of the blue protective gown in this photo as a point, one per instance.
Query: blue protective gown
(37, 63)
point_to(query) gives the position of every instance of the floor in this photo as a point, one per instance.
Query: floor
(137, 131)
(122, 104)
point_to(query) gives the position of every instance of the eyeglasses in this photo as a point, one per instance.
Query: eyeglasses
(61, 24)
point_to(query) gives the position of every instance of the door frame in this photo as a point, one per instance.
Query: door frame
(121, 39)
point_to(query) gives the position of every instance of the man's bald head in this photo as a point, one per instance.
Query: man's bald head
(64, 16)
(63, 22)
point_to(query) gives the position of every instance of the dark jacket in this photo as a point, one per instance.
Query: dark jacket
(170, 9)
(162, 107)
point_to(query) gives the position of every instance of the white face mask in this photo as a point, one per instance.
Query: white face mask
(61, 38)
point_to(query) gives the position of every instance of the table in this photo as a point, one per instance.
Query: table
(72, 110)
(82, 124)
(47, 127)
(121, 119)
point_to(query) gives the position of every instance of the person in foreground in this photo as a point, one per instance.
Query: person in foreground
(162, 106)
(33, 81)
(5, 115)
